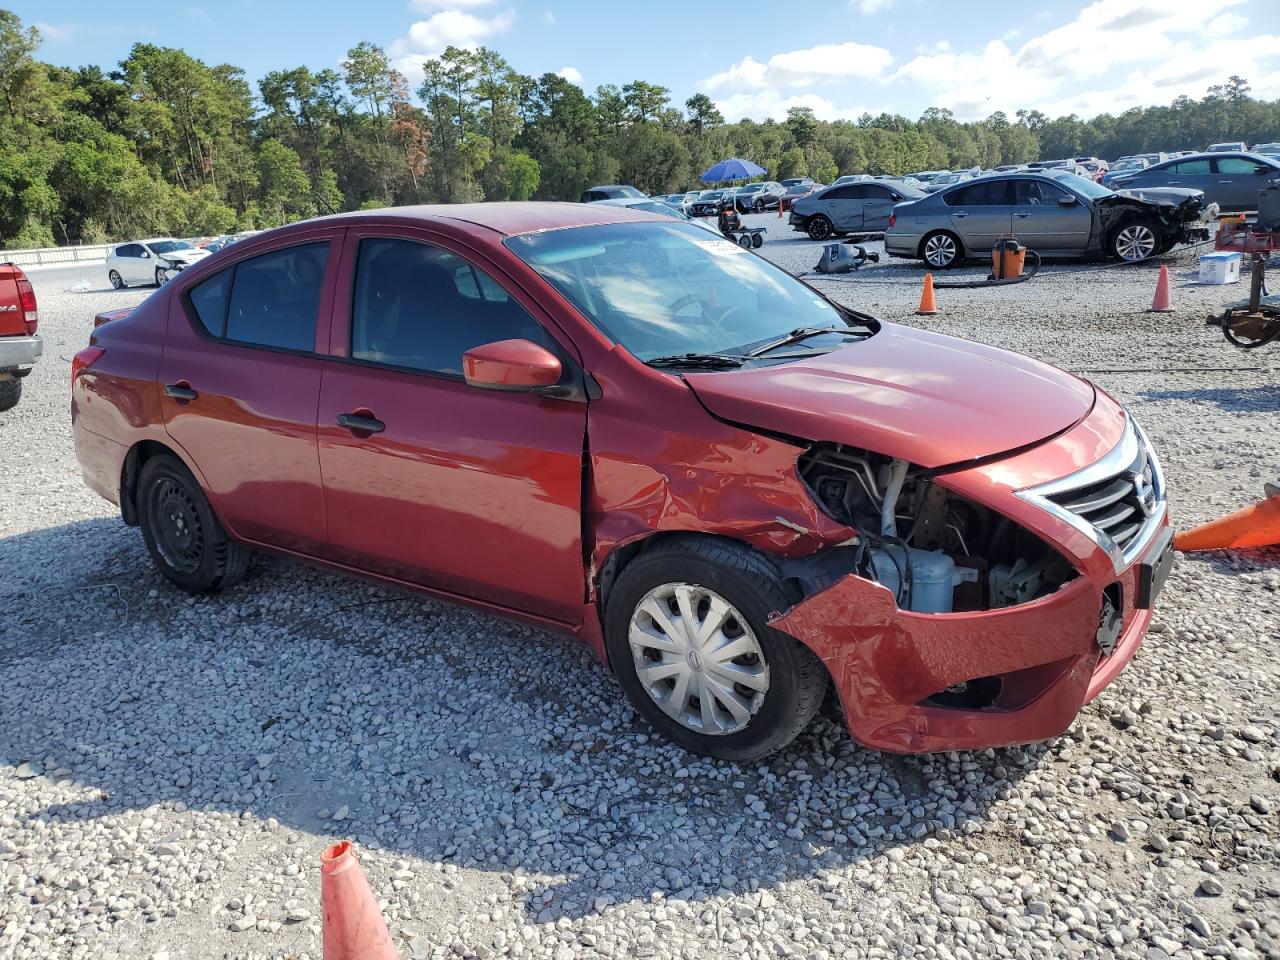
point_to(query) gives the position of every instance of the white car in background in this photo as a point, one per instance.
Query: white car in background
(150, 261)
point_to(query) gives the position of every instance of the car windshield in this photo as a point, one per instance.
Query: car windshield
(710, 195)
(751, 188)
(1081, 185)
(665, 289)
(1128, 165)
(169, 246)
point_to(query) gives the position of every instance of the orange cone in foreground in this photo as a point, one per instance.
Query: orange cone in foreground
(353, 926)
(1163, 300)
(927, 305)
(1255, 526)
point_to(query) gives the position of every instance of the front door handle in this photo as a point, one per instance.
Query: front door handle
(180, 391)
(1226, 181)
(959, 213)
(1022, 216)
(362, 421)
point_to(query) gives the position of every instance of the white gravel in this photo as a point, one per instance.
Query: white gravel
(170, 768)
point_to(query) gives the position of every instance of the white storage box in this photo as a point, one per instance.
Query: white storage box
(1223, 267)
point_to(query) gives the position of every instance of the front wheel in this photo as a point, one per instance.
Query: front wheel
(820, 228)
(161, 277)
(744, 241)
(758, 206)
(688, 637)
(117, 281)
(940, 250)
(184, 537)
(1133, 242)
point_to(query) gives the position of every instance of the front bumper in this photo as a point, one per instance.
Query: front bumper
(1042, 659)
(20, 352)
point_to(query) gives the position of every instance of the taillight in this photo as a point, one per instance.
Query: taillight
(893, 219)
(27, 302)
(83, 360)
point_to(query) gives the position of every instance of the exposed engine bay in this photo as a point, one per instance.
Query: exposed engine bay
(936, 551)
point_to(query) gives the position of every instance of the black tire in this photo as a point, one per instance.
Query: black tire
(744, 241)
(117, 281)
(1133, 241)
(160, 277)
(10, 393)
(758, 206)
(941, 250)
(757, 240)
(750, 582)
(183, 536)
(820, 228)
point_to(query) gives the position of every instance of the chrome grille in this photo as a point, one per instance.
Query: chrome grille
(1117, 502)
(1117, 506)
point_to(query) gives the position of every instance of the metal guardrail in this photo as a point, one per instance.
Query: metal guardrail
(39, 257)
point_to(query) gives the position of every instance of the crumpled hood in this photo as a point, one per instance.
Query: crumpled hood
(185, 256)
(1172, 196)
(929, 399)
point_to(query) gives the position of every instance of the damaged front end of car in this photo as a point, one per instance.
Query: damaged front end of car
(954, 624)
(1182, 214)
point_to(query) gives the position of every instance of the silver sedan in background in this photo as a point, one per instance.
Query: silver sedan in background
(1052, 212)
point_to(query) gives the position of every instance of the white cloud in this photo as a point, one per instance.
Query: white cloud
(53, 31)
(549, 18)
(803, 68)
(448, 28)
(761, 104)
(1162, 50)
(572, 74)
(873, 6)
(1226, 23)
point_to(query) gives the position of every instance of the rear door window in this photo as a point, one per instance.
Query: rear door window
(275, 298)
(422, 307)
(1190, 168)
(988, 193)
(1238, 165)
(209, 300)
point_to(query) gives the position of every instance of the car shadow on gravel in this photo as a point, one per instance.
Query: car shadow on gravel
(1259, 399)
(437, 735)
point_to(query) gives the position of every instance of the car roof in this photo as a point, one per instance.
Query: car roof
(508, 218)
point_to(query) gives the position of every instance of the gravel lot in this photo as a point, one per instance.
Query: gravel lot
(170, 768)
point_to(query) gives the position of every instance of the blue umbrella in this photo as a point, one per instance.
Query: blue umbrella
(732, 169)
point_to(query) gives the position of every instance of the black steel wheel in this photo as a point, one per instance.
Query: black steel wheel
(820, 228)
(186, 541)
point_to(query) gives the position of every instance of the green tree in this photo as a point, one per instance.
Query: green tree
(285, 189)
(703, 114)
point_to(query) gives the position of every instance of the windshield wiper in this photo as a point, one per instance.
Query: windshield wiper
(798, 334)
(708, 361)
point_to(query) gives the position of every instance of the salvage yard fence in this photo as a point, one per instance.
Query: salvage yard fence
(36, 257)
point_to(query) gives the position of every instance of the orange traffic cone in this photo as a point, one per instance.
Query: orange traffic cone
(1255, 526)
(927, 305)
(1163, 300)
(353, 926)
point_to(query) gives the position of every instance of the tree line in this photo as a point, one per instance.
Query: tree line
(166, 144)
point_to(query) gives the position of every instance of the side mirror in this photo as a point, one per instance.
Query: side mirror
(514, 365)
(1066, 201)
(1263, 171)
(146, 255)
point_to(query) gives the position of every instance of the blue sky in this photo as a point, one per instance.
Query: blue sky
(839, 57)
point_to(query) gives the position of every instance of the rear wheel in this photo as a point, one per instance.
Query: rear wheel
(1133, 241)
(940, 250)
(688, 636)
(820, 228)
(744, 241)
(10, 392)
(117, 281)
(757, 240)
(185, 539)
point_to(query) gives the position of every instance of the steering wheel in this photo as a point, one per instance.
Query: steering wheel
(690, 298)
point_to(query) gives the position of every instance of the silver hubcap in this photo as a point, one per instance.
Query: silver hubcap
(1135, 243)
(698, 658)
(940, 251)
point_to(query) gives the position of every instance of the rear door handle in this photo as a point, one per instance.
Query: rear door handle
(361, 422)
(1226, 181)
(959, 213)
(1022, 216)
(180, 391)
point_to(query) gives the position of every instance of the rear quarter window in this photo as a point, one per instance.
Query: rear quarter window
(209, 301)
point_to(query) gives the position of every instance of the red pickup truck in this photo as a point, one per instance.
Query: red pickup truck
(20, 346)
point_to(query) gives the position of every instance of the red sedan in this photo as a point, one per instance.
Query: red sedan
(738, 493)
